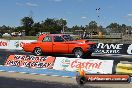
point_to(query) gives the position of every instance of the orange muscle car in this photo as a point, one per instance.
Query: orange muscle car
(60, 44)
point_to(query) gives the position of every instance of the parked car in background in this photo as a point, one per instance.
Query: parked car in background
(60, 44)
(6, 35)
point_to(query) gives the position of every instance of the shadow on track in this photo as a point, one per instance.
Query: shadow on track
(22, 83)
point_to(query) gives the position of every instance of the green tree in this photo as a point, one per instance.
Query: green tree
(114, 28)
(93, 25)
(6, 29)
(27, 23)
(37, 27)
(19, 28)
(62, 23)
(53, 25)
(124, 28)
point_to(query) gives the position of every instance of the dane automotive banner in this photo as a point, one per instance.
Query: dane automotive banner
(30, 61)
(89, 65)
(113, 48)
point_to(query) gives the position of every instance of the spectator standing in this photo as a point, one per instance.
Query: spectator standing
(19, 34)
(84, 35)
(127, 31)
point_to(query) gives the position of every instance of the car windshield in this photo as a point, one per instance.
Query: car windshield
(68, 38)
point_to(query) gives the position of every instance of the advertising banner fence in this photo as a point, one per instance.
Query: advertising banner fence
(18, 44)
(4, 44)
(88, 65)
(107, 78)
(13, 44)
(102, 48)
(113, 48)
(30, 61)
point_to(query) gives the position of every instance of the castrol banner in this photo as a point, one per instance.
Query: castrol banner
(30, 61)
(88, 65)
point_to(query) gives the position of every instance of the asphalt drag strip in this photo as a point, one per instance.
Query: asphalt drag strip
(17, 80)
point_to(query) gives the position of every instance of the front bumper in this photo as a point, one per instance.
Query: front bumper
(92, 48)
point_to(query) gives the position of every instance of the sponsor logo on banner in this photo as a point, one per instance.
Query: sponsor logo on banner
(13, 44)
(89, 65)
(65, 63)
(23, 43)
(30, 61)
(20, 43)
(86, 65)
(16, 44)
(109, 48)
(129, 50)
(4, 44)
(107, 78)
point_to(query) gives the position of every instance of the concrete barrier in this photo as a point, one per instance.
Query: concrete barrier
(124, 68)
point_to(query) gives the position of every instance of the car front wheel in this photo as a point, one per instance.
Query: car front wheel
(78, 52)
(37, 51)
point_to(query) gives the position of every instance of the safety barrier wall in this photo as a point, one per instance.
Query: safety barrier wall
(124, 68)
(13, 44)
(30, 61)
(61, 63)
(88, 65)
(68, 64)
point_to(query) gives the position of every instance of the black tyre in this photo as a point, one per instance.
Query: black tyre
(78, 52)
(80, 80)
(89, 54)
(38, 51)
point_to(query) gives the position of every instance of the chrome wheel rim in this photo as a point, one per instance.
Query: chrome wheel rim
(38, 51)
(78, 53)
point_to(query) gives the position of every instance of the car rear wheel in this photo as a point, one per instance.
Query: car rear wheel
(37, 51)
(78, 52)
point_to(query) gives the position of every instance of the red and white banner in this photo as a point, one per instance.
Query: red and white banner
(13, 44)
(18, 44)
(107, 78)
(4, 44)
(30, 61)
(88, 65)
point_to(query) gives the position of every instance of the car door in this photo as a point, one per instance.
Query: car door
(47, 44)
(59, 45)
